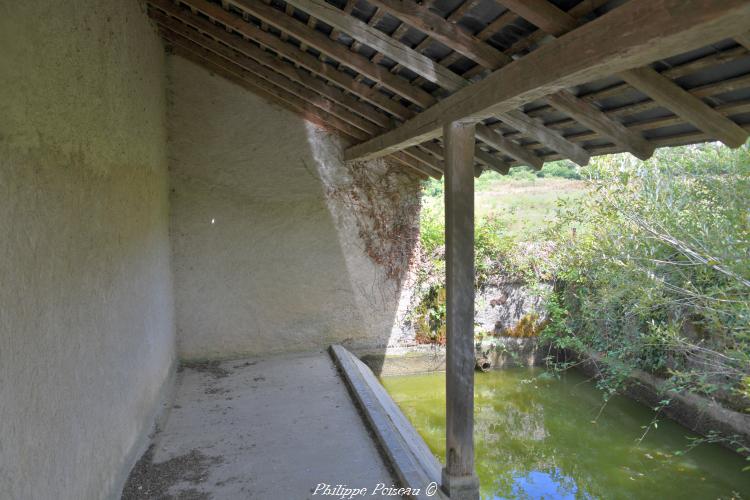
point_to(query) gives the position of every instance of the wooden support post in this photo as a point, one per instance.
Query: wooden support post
(458, 478)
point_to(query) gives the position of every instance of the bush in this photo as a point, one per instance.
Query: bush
(656, 266)
(564, 169)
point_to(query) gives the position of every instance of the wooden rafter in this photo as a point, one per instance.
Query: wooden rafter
(213, 56)
(446, 33)
(684, 104)
(451, 35)
(322, 43)
(743, 39)
(557, 22)
(267, 45)
(637, 33)
(593, 118)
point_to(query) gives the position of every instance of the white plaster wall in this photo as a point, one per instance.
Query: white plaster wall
(265, 259)
(86, 305)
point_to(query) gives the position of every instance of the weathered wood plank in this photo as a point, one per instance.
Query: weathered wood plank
(325, 45)
(543, 14)
(508, 147)
(556, 22)
(420, 64)
(236, 74)
(272, 83)
(593, 118)
(290, 71)
(459, 317)
(451, 35)
(287, 50)
(321, 96)
(491, 161)
(284, 99)
(632, 35)
(422, 157)
(533, 127)
(743, 39)
(684, 104)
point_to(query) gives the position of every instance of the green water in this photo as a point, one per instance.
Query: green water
(536, 437)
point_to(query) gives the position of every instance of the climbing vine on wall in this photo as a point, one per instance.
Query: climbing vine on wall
(384, 201)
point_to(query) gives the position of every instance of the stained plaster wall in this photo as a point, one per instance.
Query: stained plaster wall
(266, 227)
(86, 305)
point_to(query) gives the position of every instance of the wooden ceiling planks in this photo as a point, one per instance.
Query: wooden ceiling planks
(288, 50)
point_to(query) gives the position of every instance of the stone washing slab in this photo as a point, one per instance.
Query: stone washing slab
(415, 465)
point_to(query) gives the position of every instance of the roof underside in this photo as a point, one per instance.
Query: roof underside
(363, 67)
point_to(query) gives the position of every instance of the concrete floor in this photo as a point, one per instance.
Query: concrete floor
(270, 428)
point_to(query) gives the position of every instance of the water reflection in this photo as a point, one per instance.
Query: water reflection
(536, 438)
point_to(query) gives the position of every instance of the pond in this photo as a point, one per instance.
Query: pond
(538, 436)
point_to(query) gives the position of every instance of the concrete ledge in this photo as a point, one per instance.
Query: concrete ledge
(415, 465)
(504, 352)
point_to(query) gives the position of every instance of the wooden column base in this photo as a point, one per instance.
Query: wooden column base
(460, 487)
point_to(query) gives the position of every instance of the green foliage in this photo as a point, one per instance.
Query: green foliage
(656, 268)
(564, 169)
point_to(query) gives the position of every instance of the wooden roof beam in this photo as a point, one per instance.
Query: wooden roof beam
(556, 22)
(593, 118)
(376, 39)
(743, 39)
(449, 34)
(340, 119)
(279, 96)
(682, 103)
(634, 34)
(249, 49)
(233, 72)
(535, 128)
(320, 42)
(544, 15)
(410, 58)
(286, 50)
(508, 147)
(315, 97)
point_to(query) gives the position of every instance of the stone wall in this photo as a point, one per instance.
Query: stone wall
(86, 308)
(272, 233)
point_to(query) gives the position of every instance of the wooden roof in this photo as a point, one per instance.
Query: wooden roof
(543, 79)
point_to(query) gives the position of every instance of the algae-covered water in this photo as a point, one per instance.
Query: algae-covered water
(539, 437)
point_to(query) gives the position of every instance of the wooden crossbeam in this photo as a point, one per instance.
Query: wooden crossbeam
(508, 147)
(356, 122)
(491, 161)
(376, 118)
(378, 40)
(338, 117)
(421, 156)
(743, 39)
(265, 89)
(535, 128)
(286, 50)
(322, 43)
(557, 22)
(621, 88)
(634, 34)
(728, 109)
(543, 14)
(593, 118)
(449, 34)
(685, 105)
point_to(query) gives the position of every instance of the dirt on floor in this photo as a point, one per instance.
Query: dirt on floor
(149, 480)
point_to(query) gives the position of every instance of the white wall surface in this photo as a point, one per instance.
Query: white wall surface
(267, 257)
(86, 305)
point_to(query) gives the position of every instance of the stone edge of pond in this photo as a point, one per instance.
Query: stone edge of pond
(700, 414)
(415, 465)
